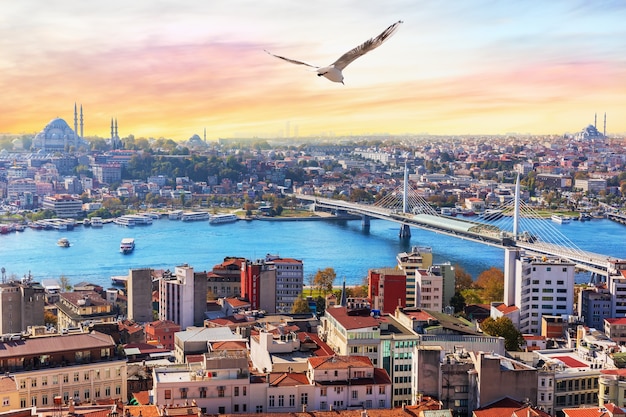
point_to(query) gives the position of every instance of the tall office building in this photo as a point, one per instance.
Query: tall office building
(139, 287)
(538, 286)
(182, 297)
(21, 305)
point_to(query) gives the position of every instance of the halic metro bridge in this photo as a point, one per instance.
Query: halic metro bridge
(514, 224)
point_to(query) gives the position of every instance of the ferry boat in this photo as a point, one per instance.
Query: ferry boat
(491, 214)
(447, 211)
(560, 219)
(192, 216)
(132, 220)
(63, 242)
(119, 280)
(125, 221)
(96, 222)
(175, 214)
(127, 245)
(223, 218)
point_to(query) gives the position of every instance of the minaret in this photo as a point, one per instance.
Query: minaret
(112, 131)
(595, 120)
(75, 120)
(81, 121)
(604, 132)
(205, 135)
(116, 135)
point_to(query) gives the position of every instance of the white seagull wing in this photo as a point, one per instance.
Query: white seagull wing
(293, 61)
(365, 47)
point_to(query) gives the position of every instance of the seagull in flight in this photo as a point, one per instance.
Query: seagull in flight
(334, 71)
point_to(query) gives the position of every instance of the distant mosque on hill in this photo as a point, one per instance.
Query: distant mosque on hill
(58, 136)
(591, 133)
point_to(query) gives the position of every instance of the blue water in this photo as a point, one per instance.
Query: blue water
(94, 253)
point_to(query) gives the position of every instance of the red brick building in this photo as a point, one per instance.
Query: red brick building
(387, 289)
(162, 332)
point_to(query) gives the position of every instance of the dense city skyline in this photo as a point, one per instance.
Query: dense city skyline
(172, 69)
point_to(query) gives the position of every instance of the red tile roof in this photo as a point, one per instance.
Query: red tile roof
(351, 322)
(284, 379)
(571, 362)
(338, 362)
(55, 344)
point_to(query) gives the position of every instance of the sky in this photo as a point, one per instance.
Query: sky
(173, 68)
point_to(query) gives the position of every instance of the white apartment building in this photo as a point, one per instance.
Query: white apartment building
(183, 297)
(289, 281)
(538, 286)
(221, 384)
(419, 258)
(430, 290)
(351, 334)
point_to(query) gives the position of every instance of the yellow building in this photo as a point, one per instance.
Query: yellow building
(9, 394)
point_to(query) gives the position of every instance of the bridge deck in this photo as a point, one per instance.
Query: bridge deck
(472, 230)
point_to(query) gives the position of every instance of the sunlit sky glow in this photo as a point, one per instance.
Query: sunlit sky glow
(174, 68)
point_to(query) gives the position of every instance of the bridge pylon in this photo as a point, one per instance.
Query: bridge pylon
(365, 221)
(405, 231)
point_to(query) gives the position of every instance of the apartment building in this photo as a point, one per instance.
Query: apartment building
(418, 258)
(182, 296)
(537, 285)
(21, 305)
(64, 205)
(272, 284)
(82, 367)
(79, 308)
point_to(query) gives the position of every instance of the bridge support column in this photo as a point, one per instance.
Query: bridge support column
(365, 221)
(405, 231)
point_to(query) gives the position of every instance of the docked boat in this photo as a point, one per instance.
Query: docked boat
(96, 222)
(560, 219)
(223, 218)
(193, 216)
(491, 214)
(447, 211)
(63, 242)
(175, 214)
(119, 280)
(127, 245)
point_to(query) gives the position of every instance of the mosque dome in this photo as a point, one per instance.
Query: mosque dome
(55, 136)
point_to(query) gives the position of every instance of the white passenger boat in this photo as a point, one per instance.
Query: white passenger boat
(192, 216)
(560, 219)
(127, 245)
(96, 222)
(175, 214)
(223, 218)
(491, 214)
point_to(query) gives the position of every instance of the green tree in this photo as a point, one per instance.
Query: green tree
(324, 279)
(503, 327)
(458, 302)
(300, 306)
